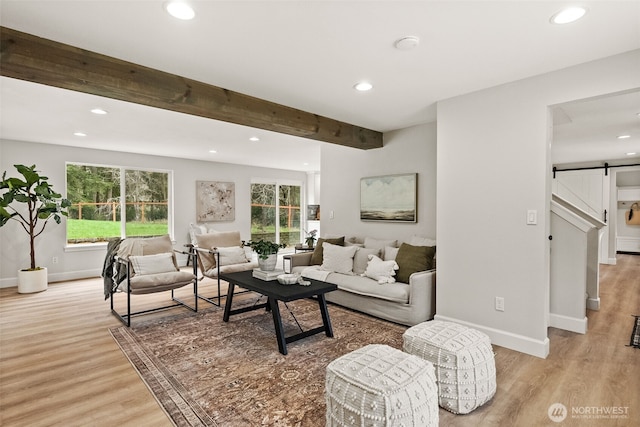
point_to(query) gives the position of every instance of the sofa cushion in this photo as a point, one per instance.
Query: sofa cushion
(338, 259)
(316, 258)
(361, 259)
(156, 245)
(390, 253)
(139, 246)
(215, 240)
(232, 255)
(371, 243)
(421, 241)
(382, 271)
(396, 292)
(153, 264)
(232, 268)
(145, 284)
(411, 259)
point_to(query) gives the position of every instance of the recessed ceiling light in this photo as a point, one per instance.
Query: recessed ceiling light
(80, 134)
(363, 86)
(624, 136)
(180, 10)
(213, 151)
(99, 111)
(570, 14)
(631, 154)
(254, 139)
(407, 43)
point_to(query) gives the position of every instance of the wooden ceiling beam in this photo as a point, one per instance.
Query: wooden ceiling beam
(27, 57)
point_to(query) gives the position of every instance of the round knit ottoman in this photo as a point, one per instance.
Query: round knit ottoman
(378, 385)
(464, 362)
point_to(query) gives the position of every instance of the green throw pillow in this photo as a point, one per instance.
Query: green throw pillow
(413, 258)
(316, 257)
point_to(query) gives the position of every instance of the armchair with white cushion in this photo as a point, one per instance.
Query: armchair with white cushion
(219, 253)
(149, 265)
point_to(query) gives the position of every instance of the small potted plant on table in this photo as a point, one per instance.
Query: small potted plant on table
(310, 240)
(267, 253)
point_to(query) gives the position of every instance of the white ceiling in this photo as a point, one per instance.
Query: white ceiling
(306, 55)
(588, 130)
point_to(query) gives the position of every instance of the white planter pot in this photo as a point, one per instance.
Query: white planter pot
(268, 264)
(32, 281)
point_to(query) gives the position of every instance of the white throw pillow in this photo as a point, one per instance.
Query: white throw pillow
(338, 259)
(232, 255)
(371, 243)
(382, 271)
(152, 264)
(390, 253)
(361, 259)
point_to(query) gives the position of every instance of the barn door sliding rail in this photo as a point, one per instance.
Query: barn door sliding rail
(606, 168)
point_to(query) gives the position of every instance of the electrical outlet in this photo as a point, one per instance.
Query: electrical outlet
(499, 304)
(54, 260)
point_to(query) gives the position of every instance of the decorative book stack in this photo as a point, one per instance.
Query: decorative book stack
(266, 275)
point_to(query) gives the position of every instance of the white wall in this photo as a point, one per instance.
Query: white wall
(493, 166)
(50, 160)
(405, 151)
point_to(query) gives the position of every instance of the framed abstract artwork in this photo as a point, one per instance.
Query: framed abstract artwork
(215, 201)
(389, 198)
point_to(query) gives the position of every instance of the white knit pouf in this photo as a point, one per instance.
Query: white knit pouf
(464, 362)
(378, 385)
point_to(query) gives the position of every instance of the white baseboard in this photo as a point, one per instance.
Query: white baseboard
(10, 282)
(627, 244)
(568, 323)
(593, 303)
(506, 339)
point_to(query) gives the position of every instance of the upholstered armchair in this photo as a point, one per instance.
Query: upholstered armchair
(222, 252)
(149, 265)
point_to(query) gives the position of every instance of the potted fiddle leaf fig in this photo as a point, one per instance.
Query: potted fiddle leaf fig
(267, 253)
(40, 204)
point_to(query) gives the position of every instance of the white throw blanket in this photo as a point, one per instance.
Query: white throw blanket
(315, 272)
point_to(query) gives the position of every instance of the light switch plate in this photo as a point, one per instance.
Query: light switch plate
(532, 217)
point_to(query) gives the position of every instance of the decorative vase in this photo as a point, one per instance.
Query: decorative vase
(268, 264)
(30, 281)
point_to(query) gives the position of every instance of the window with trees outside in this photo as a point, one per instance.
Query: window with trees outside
(108, 202)
(275, 212)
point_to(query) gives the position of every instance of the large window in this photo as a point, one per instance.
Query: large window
(98, 194)
(275, 212)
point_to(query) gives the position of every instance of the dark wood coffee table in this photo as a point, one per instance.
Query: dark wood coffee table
(275, 292)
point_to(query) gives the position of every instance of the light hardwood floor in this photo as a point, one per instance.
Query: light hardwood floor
(59, 366)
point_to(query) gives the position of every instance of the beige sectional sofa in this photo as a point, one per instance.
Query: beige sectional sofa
(408, 300)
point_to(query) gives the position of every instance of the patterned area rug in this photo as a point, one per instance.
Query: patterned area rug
(205, 372)
(635, 333)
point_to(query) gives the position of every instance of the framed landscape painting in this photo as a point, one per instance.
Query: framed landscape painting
(216, 201)
(389, 198)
